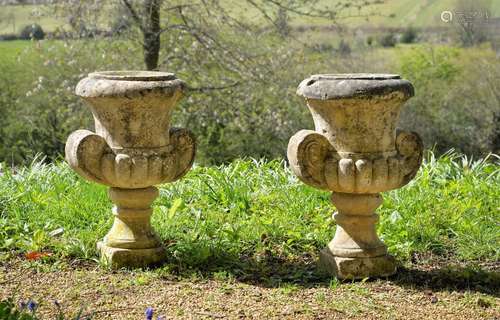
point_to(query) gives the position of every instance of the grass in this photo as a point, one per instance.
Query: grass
(244, 236)
(235, 216)
(12, 49)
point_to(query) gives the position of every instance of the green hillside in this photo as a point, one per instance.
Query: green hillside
(395, 13)
(392, 13)
(422, 13)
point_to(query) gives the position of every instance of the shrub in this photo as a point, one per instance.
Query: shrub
(9, 36)
(409, 35)
(121, 25)
(32, 31)
(121, 22)
(323, 47)
(388, 40)
(344, 48)
(369, 40)
(456, 100)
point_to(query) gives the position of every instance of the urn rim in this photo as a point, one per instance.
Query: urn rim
(132, 75)
(337, 86)
(129, 84)
(355, 76)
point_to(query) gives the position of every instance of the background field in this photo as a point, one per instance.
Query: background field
(391, 13)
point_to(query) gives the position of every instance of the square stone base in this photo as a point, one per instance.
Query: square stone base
(356, 268)
(130, 258)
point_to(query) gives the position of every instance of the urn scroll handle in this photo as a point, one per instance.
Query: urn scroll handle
(410, 147)
(91, 157)
(184, 144)
(316, 162)
(84, 150)
(307, 152)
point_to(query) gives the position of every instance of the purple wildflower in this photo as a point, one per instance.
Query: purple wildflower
(32, 305)
(149, 313)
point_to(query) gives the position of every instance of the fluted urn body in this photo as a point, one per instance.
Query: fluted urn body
(133, 149)
(356, 151)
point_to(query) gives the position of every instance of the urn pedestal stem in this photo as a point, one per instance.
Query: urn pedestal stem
(356, 250)
(356, 151)
(132, 242)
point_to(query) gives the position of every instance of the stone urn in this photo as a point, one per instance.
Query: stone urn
(356, 151)
(133, 149)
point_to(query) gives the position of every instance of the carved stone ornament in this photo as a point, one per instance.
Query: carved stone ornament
(356, 151)
(133, 149)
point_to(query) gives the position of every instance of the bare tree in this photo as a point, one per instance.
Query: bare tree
(471, 18)
(201, 20)
(149, 24)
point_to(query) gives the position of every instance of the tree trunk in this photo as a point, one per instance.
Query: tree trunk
(151, 33)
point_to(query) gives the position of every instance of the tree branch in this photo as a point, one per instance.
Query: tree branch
(134, 14)
(211, 88)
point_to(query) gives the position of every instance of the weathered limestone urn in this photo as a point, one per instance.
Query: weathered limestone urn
(132, 150)
(356, 152)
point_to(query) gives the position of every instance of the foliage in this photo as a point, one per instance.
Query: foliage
(27, 311)
(424, 64)
(32, 31)
(200, 22)
(240, 99)
(39, 102)
(409, 35)
(14, 17)
(41, 108)
(8, 311)
(344, 48)
(239, 215)
(388, 40)
(456, 101)
(256, 112)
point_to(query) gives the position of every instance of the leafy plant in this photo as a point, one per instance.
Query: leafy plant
(9, 310)
(388, 40)
(456, 102)
(409, 35)
(27, 311)
(32, 31)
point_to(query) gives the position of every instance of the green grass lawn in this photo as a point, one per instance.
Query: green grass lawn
(242, 240)
(231, 217)
(9, 50)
